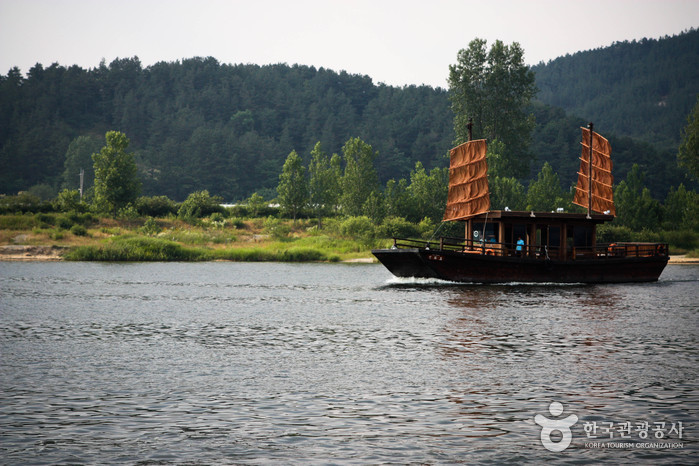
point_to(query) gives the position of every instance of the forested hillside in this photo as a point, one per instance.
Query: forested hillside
(641, 89)
(197, 124)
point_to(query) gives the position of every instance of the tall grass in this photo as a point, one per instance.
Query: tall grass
(292, 254)
(136, 248)
(142, 249)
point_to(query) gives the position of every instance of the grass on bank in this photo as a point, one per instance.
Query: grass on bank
(143, 248)
(89, 237)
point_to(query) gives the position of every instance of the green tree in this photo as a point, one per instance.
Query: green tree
(688, 155)
(256, 202)
(360, 178)
(116, 175)
(293, 185)
(545, 193)
(79, 156)
(681, 209)
(399, 201)
(506, 192)
(375, 207)
(199, 204)
(635, 207)
(429, 191)
(69, 200)
(494, 88)
(324, 179)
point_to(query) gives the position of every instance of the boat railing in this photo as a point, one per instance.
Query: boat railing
(604, 251)
(632, 250)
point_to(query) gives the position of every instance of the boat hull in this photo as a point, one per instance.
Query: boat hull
(480, 268)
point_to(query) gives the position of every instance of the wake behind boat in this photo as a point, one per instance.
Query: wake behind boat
(507, 246)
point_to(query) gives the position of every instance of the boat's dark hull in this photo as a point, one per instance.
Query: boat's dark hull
(479, 268)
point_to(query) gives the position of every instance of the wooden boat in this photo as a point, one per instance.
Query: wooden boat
(506, 246)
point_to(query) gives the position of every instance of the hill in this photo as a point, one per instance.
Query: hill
(199, 124)
(640, 89)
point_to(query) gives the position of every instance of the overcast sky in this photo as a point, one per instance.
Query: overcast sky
(395, 42)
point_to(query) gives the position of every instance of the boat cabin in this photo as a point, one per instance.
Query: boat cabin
(548, 235)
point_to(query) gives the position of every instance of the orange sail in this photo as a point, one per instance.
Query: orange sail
(468, 181)
(602, 179)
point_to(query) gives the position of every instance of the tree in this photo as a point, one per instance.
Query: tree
(399, 202)
(116, 175)
(199, 204)
(545, 193)
(79, 156)
(69, 200)
(494, 87)
(506, 192)
(635, 207)
(688, 155)
(429, 191)
(324, 179)
(360, 177)
(293, 186)
(681, 209)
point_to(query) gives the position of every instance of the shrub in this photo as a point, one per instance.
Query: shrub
(397, 227)
(69, 200)
(78, 230)
(84, 219)
(155, 206)
(23, 202)
(684, 239)
(608, 233)
(137, 248)
(426, 227)
(18, 222)
(236, 222)
(64, 222)
(199, 204)
(358, 227)
(150, 227)
(276, 228)
(45, 220)
(128, 213)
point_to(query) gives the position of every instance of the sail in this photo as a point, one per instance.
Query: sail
(602, 179)
(468, 181)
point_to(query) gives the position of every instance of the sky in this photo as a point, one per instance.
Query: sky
(398, 43)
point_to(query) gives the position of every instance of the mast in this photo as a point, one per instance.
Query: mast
(589, 173)
(470, 129)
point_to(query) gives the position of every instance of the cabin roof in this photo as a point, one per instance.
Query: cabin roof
(529, 216)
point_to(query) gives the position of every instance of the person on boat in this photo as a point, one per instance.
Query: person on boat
(520, 246)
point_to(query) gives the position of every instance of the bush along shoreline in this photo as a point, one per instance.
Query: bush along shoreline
(146, 249)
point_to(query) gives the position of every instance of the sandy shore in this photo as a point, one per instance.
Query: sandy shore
(683, 260)
(31, 253)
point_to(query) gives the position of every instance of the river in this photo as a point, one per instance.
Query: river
(220, 363)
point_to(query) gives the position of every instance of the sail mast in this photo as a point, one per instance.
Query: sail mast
(589, 173)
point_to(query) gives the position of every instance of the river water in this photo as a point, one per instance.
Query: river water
(215, 363)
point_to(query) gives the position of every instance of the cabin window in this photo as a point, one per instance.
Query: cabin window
(490, 233)
(519, 231)
(542, 235)
(554, 237)
(514, 231)
(582, 236)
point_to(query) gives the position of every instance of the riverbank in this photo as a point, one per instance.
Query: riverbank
(168, 239)
(56, 253)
